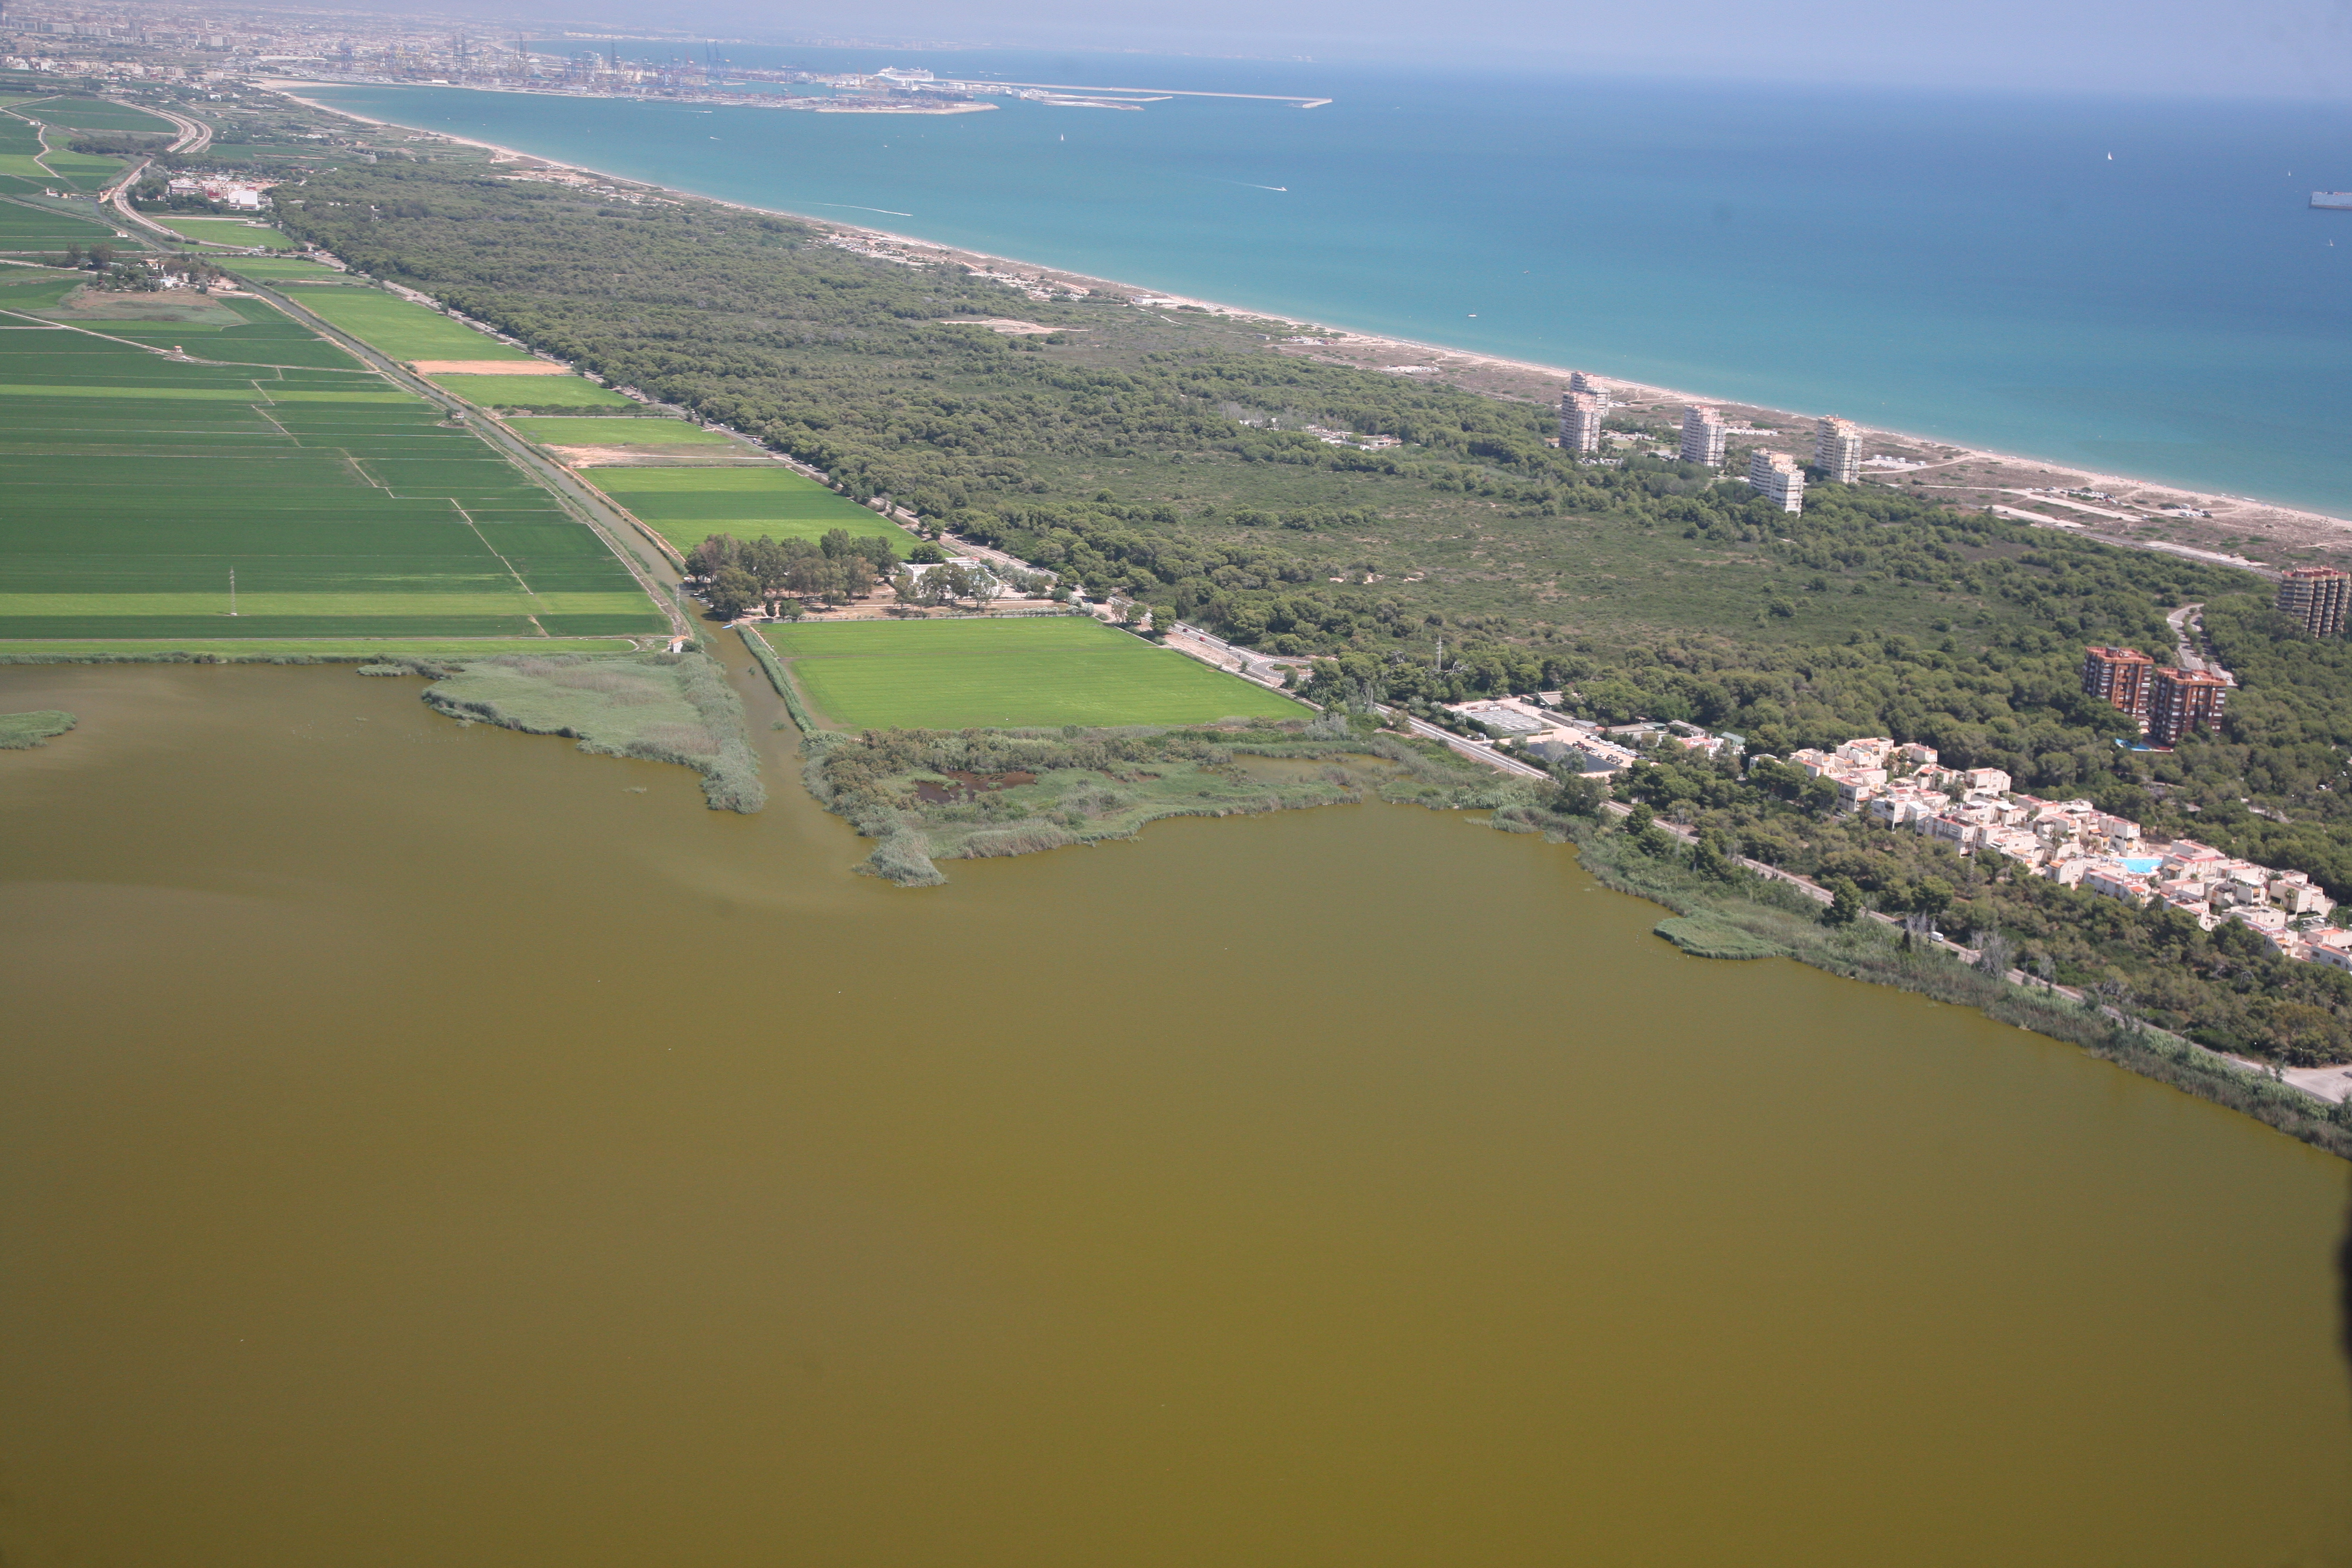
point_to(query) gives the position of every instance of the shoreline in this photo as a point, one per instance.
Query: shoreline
(2014, 486)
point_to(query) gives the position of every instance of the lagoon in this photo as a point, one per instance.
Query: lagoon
(422, 1146)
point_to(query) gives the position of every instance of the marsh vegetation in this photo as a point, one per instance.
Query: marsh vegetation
(930, 796)
(661, 707)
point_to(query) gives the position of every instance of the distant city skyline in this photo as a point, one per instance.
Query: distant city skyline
(2274, 48)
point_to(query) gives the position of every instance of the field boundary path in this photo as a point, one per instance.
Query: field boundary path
(660, 581)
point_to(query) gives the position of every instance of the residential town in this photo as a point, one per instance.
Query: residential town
(1979, 811)
(2074, 843)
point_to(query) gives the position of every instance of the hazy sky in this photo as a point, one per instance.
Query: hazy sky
(2300, 49)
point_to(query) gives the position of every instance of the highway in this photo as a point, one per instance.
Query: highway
(195, 137)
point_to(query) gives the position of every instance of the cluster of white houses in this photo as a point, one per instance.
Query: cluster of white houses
(1975, 810)
(1837, 444)
(238, 195)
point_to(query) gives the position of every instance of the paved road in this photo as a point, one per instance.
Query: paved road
(195, 137)
(2188, 623)
(1267, 671)
(653, 571)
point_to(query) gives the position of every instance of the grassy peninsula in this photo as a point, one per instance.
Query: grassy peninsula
(931, 795)
(19, 732)
(661, 707)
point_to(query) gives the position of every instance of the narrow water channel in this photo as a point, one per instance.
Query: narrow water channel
(426, 1145)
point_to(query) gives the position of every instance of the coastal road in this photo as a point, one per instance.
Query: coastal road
(654, 573)
(1262, 671)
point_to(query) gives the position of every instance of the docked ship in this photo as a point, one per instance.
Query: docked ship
(2341, 201)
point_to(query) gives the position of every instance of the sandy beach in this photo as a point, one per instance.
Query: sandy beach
(2237, 530)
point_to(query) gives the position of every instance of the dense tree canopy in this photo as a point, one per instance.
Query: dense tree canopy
(1167, 458)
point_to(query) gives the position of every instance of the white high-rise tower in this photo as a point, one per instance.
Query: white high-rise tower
(1837, 450)
(1704, 433)
(1579, 421)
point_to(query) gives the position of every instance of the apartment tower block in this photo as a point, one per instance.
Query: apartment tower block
(1703, 434)
(2179, 700)
(1579, 421)
(1837, 450)
(2316, 596)
(2118, 676)
(1778, 477)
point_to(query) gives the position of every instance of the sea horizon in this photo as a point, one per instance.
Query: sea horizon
(2106, 284)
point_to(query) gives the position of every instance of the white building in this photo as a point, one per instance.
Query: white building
(1777, 476)
(1837, 450)
(1579, 381)
(1579, 421)
(1704, 433)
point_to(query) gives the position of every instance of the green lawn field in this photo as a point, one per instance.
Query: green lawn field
(619, 433)
(405, 330)
(687, 506)
(529, 391)
(136, 483)
(226, 231)
(1059, 669)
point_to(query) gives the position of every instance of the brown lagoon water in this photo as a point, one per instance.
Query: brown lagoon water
(418, 1149)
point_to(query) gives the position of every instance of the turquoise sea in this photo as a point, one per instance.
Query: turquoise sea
(2132, 284)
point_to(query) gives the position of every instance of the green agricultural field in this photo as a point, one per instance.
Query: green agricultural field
(94, 115)
(687, 506)
(620, 433)
(347, 508)
(24, 226)
(225, 231)
(285, 270)
(529, 391)
(82, 170)
(1048, 671)
(18, 136)
(225, 331)
(405, 331)
(327, 648)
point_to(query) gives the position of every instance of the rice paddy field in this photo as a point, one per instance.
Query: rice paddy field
(226, 231)
(81, 171)
(687, 506)
(404, 329)
(296, 647)
(623, 432)
(233, 330)
(284, 270)
(532, 392)
(36, 225)
(92, 114)
(1047, 670)
(136, 483)
(26, 169)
